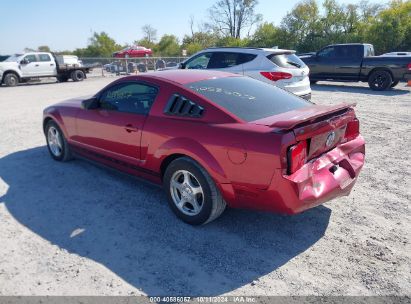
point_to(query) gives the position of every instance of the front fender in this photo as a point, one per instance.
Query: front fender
(54, 114)
(17, 72)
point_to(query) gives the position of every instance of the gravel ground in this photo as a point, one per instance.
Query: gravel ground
(77, 229)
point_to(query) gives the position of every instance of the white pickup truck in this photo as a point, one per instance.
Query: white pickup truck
(23, 67)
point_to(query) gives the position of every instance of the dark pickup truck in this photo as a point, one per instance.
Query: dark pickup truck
(356, 62)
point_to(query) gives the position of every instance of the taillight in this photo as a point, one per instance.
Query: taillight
(352, 130)
(409, 66)
(274, 76)
(297, 156)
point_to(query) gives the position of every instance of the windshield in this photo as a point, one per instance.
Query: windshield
(14, 58)
(247, 98)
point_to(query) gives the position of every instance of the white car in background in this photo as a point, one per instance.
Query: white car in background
(278, 67)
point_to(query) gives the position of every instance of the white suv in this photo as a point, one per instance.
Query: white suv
(278, 67)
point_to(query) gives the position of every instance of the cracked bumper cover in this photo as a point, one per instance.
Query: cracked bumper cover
(331, 175)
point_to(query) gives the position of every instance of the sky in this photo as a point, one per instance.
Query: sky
(66, 25)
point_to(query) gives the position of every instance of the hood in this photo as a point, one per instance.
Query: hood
(5, 65)
(73, 102)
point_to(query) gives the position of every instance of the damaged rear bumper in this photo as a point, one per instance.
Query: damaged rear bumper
(331, 175)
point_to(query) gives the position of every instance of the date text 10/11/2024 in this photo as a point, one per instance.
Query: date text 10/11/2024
(220, 299)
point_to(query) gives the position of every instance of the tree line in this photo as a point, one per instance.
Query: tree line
(305, 28)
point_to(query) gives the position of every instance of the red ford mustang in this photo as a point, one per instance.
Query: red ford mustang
(214, 139)
(133, 52)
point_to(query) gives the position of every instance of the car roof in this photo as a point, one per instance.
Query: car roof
(248, 50)
(38, 53)
(354, 43)
(185, 76)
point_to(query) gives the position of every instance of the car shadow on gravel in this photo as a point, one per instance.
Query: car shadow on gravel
(126, 226)
(325, 87)
(31, 83)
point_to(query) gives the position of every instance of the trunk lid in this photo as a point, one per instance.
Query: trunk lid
(322, 126)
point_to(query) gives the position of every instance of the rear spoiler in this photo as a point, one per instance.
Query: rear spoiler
(282, 52)
(289, 120)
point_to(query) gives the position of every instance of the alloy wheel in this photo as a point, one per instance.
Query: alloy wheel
(54, 141)
(186, 192)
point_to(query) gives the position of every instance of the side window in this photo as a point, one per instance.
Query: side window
(244, 58)
(30, 58)
(356, 51)
(221, 60)
(327, 52)
(343, 52)
(348, 52)
(199, 62)
(44, 57)
(129, 97)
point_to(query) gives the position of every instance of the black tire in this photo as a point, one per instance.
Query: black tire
(213, 203)
(380, 80)
(142, 68)
(78, 75)
(11, 80)
(65, 154)
(395, 83)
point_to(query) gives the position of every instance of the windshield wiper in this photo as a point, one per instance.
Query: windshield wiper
(294, 64)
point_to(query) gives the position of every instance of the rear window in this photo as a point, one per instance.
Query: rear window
(247, 98)
(286, 61)
(369, 49)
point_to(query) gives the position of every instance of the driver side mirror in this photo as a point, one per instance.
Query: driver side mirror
(181, 65)
(89, 104)
(24, 61)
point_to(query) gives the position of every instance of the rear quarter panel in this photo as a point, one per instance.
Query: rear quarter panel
(396, 65)
(240, 154)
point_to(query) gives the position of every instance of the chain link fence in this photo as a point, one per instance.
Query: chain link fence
(126, 66)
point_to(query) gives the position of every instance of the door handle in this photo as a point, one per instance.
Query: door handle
(51, 64)
(36, 65)
(129, 128)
